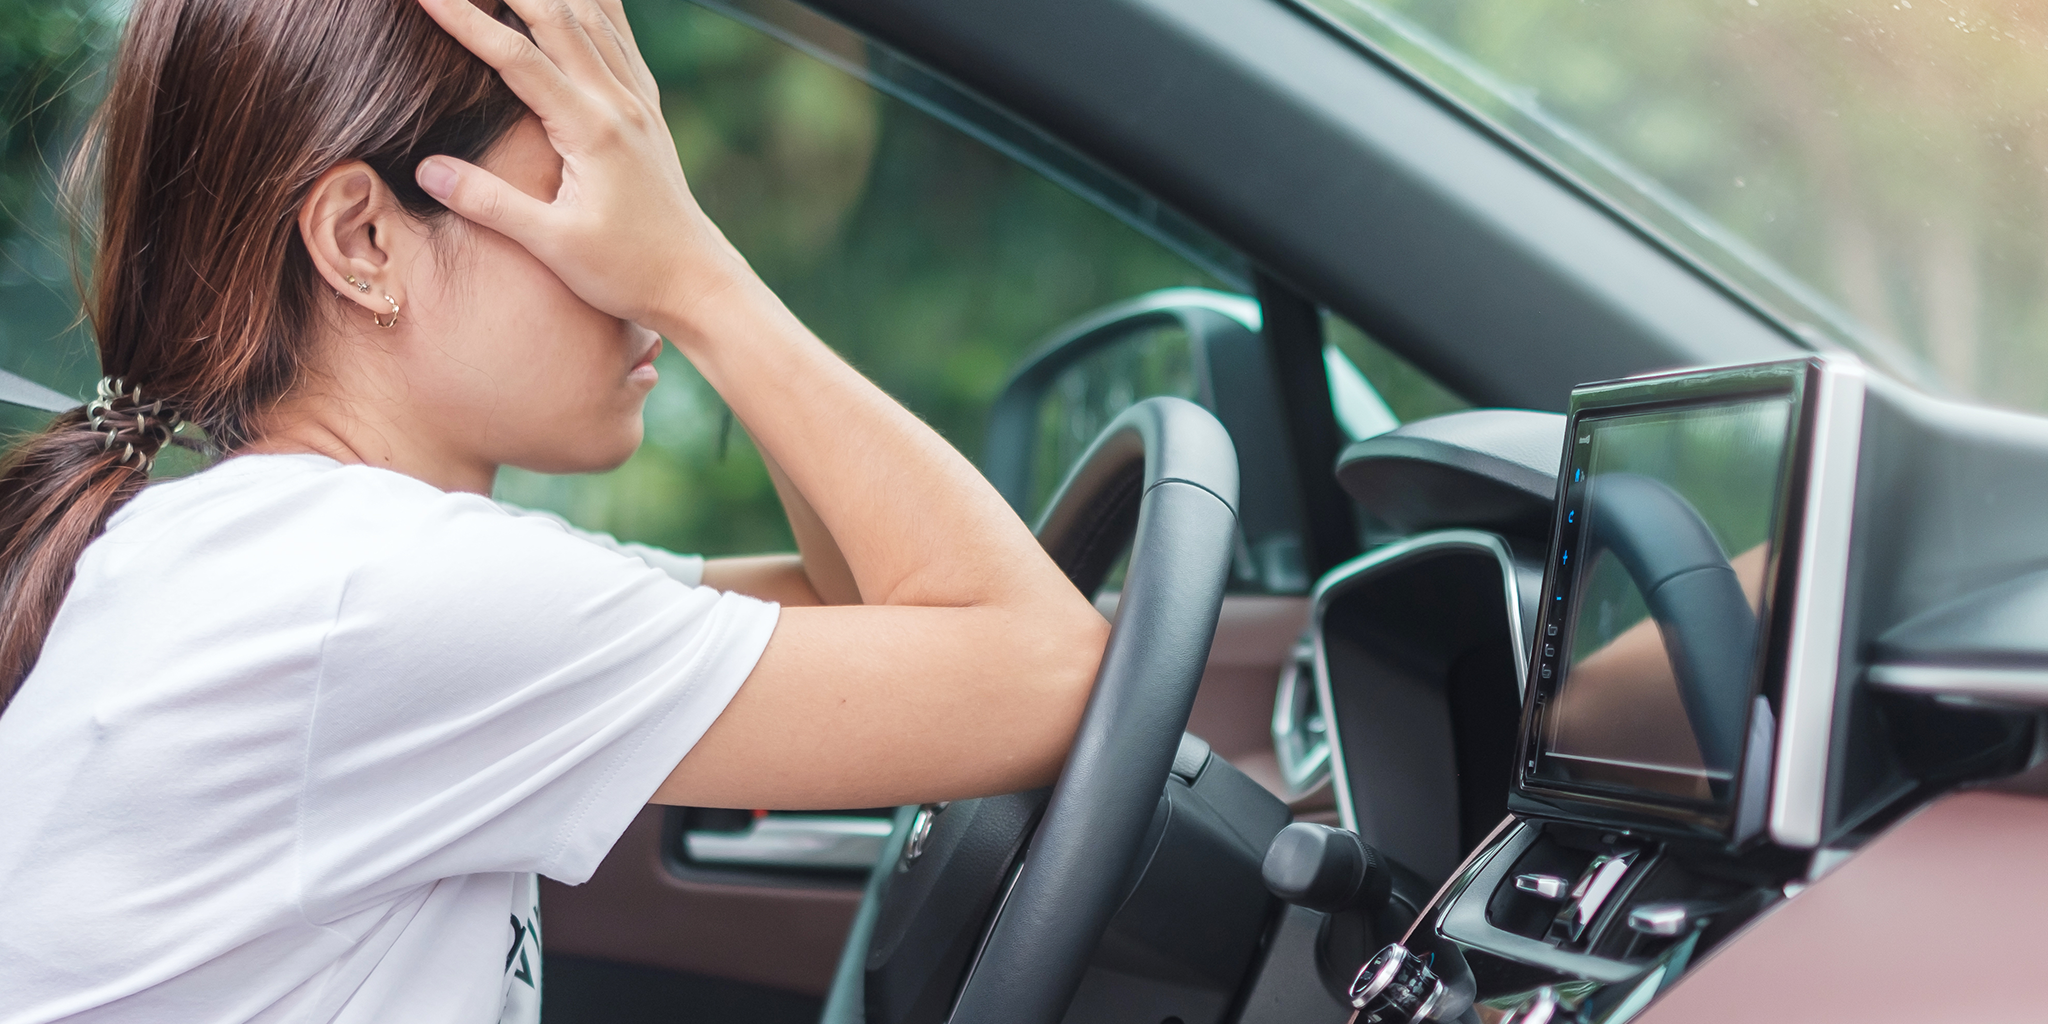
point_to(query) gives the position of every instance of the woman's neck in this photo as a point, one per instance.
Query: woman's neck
(367, 434)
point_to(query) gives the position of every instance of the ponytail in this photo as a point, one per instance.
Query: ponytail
(57, 490)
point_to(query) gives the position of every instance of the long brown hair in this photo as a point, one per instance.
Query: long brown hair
(220, 115)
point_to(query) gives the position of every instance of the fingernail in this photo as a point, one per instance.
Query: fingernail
(436, 177)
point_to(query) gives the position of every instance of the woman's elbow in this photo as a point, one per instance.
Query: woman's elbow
(1065, 676)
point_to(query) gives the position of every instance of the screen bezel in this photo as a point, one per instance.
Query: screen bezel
(1741, 816)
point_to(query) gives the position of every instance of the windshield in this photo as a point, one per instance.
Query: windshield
(1872, 172)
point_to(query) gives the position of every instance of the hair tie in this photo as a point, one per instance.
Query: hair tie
(141, 427)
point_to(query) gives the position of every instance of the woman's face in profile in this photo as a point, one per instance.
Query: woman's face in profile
(519, 368)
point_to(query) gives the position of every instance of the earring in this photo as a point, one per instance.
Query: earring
(394, 314)
(361, 286)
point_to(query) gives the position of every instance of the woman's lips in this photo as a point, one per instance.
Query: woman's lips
(647, 359)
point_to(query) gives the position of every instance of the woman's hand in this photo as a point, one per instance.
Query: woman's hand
(623, 231)
(965, 670)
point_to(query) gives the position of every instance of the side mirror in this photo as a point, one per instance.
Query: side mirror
(1192, 343)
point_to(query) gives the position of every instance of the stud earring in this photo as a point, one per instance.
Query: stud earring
(361, 286)
(375, 319)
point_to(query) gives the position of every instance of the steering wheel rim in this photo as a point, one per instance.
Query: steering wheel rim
(1709, 632)
(1164, 475)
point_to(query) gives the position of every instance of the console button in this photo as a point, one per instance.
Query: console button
(1675, 917)
(1589, 894)
(1549, 887)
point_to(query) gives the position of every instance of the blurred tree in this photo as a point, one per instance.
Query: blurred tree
(1409, 393)
(51, 55)
(48, 60)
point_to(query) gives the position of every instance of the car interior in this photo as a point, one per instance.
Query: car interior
(1517, 616)
(1442, 827)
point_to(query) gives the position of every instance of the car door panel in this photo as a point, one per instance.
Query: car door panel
(782, 933)
(1234, 708)
(1255, 635)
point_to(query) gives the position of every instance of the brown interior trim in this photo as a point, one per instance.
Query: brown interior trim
(1939, 918)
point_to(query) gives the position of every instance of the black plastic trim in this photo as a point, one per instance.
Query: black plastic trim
(1486, 469)
(1292, 326)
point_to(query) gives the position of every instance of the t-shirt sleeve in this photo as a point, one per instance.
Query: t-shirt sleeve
(498, 695)
(686, 569)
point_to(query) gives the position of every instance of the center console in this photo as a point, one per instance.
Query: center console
(1698, 516)
(1696, 730)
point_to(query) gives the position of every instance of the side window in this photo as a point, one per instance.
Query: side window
(1374, 389)
(929, 260)
(1207, 346)
(1086, 396)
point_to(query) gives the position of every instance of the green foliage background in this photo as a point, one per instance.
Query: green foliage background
(46, 51)
(1875, 159)
(931, 262)
(51, 54)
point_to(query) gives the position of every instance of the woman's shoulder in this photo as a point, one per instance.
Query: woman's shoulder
(310, 530)
(296, 490)
(300, 507)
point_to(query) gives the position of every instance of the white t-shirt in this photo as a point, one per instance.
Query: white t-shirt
(302, 736)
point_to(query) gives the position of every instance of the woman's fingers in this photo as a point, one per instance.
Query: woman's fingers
(623, 231)
(483, 198)
(531, 75)
(563, 37)
(610, 45)
(615, 14)
(616, 11)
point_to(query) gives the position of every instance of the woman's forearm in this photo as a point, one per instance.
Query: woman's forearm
(915, 522)
(966, 670)
(817, 575)
(823, 564)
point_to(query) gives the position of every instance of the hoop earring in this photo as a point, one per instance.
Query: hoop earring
(375, 319)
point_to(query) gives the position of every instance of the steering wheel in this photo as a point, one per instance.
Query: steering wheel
(987, 911)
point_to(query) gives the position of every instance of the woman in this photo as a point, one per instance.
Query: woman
(289, 739)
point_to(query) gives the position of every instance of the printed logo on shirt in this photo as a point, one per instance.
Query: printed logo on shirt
(522, 961)
(521, 931)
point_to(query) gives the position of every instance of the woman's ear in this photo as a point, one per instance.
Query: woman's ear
(362, 243)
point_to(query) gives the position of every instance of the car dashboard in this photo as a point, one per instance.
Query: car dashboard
(1614, 683)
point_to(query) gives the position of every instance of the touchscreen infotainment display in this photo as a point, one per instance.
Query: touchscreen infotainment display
(1649, 657)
